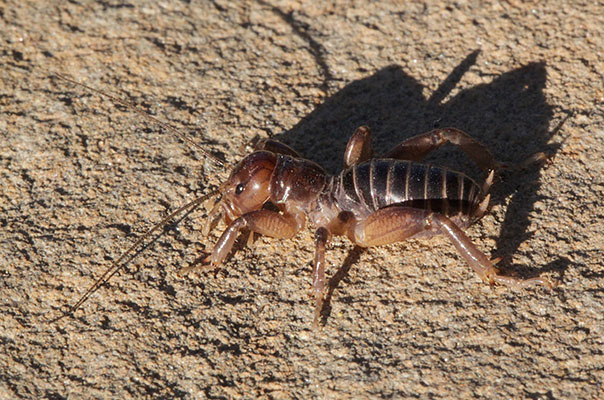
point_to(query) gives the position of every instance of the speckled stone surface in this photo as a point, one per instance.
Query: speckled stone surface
(81, 178)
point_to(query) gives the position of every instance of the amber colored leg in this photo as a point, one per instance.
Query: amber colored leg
(418, 147)
(477, 260)
(358, 148)
(318, 276)
(265, 222)
(394, 224)
(390, 225)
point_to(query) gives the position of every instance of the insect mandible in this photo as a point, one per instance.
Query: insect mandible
(373, 201)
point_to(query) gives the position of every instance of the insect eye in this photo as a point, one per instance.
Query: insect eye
(239, 188)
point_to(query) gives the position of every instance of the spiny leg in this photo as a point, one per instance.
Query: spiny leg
(265, 222)
(479, 262)
(419, 146)
(394, 224)
(318, 276)
(359, 147)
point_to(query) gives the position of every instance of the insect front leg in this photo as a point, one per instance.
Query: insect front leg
(265, 222)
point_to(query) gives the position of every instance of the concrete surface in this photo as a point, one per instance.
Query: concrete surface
(82, 177)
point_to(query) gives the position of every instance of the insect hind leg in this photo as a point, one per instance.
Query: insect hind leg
(397, 223)
(419, 146)
(479, 262)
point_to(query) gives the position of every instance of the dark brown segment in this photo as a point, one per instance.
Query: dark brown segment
(347, 184)
(417, 176)
(435, 183)
(362, 183)
(459, 189)
(398, 179)
(467, 188)
(445, 200)
(434, 189)
(294, 179)
(379, 182)
(440, 190)
(452, 179)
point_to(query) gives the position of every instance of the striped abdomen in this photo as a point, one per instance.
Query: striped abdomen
(379, 183)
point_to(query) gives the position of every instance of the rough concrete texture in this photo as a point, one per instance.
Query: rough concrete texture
(81, 178)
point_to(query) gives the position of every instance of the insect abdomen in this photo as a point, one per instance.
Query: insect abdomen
(379, 183)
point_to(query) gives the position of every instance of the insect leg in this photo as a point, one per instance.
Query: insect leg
(418, 147)
(358, 148)
(390, 225)
(394, 224)
(265, 222)
(318, 282)
(479, 262)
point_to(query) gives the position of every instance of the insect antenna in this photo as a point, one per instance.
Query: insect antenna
(118, 264)
(136, 109)
(123, 259)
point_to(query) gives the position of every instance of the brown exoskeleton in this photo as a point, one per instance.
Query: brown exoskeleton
(373, 201)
